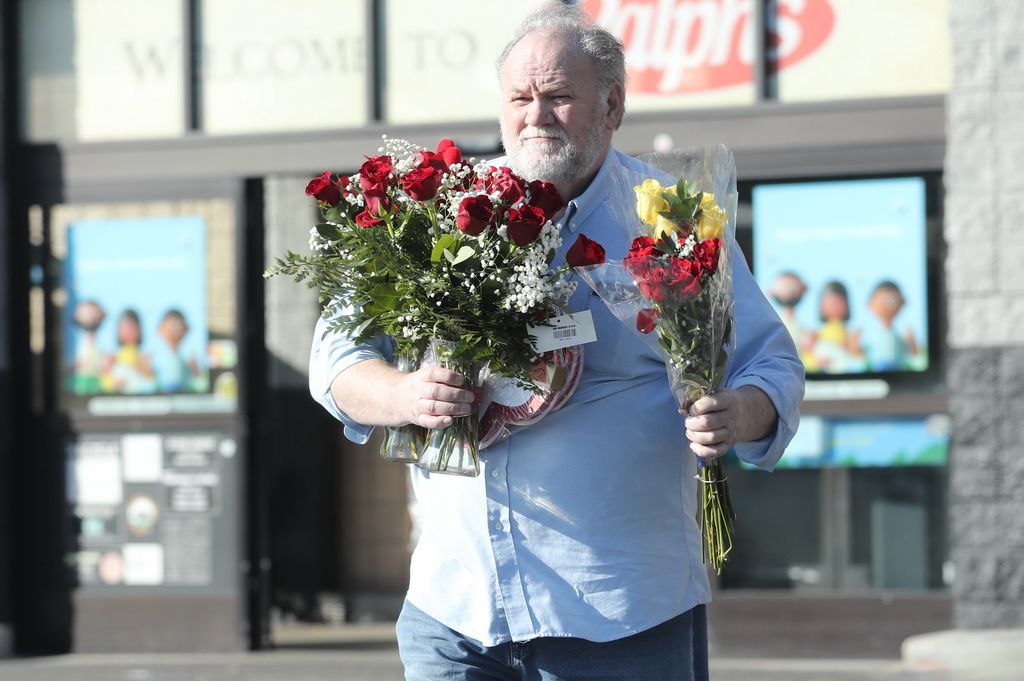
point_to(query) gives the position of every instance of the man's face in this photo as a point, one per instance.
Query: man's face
(554, 124)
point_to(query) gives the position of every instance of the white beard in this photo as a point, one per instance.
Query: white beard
(566, 163)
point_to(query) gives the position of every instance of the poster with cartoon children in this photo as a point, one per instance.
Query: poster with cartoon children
(845, 264)
(135, 318)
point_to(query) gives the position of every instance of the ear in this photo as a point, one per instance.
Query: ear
(616, 106)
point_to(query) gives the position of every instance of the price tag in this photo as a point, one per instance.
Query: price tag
(561, 332)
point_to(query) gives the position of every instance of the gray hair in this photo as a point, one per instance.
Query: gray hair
(572, 23)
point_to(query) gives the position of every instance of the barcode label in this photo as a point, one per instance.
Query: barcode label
(562, 331)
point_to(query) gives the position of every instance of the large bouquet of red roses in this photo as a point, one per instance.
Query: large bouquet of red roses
(450, 259)
(675, 285)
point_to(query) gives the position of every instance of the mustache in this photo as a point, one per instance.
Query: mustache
(549, 133)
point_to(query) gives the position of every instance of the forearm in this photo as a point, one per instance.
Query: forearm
(368, 392)
(758, 417)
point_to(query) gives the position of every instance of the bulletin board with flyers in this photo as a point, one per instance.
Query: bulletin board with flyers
(154, 509)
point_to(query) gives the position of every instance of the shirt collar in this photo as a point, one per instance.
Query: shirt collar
(596, 193)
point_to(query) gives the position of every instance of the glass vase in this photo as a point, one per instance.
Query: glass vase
(403, 444)
(455, 450)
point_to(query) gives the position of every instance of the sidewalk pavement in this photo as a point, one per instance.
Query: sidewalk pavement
(368, 653)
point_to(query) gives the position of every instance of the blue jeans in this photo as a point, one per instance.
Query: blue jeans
(672, 651)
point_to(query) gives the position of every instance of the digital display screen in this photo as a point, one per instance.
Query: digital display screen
(135, 320)
(844, 264)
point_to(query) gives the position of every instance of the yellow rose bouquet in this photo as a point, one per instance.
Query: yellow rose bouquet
(675, 285)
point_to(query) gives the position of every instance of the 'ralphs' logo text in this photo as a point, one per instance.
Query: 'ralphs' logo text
(689, 46)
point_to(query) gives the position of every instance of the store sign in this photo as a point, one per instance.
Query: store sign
(687, 46)
(701, 52)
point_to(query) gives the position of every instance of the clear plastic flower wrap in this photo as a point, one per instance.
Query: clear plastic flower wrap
(674, 288)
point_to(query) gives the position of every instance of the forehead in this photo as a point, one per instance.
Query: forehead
(541, 57)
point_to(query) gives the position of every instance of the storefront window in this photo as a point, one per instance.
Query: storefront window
(897, 528)
(96, 70)
(440, 58)
(275, 66)
(857, 503)
(838, 529)
(778, 540)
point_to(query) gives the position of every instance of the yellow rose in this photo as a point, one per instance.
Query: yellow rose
(663, 227)
(649, 201)
(712, 218)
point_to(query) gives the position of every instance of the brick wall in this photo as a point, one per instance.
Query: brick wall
(984, 229)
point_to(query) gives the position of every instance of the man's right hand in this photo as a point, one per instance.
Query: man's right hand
(375, 393)
(431, 396)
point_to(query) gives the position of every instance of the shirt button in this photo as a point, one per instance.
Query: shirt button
(498, 526)
(495, 473)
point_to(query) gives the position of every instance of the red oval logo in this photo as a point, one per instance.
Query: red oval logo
(690, 46)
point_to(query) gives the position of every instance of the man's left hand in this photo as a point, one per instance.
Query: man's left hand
(717, 422)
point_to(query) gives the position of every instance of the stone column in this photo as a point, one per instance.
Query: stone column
(984, 229)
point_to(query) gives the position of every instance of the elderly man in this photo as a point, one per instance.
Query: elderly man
(576, 553)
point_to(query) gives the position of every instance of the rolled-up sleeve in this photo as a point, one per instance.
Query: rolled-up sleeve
(331, 354)
(765, 357)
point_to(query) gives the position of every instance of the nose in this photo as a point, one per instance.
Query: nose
(538, 112)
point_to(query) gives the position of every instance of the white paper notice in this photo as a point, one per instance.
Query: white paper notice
(561, 332)
(143, 564)
(97, 471)
(142, 455)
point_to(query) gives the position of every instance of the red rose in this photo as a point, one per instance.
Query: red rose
(646, 319)
(365, 219)
(475, 213)
(584, 252)
(429, 159)
(447, 150)
(654, 283)
(641, 255)
(524, 224)
(707, 253)
(510, 187)
(684, 278)
(377, 203)
(544, 195)
(376, 172)
(421, 183)
(324, 189)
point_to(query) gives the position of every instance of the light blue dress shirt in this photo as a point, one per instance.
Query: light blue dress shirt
(583, 524)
